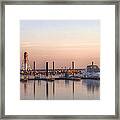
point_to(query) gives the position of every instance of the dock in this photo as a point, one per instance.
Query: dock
(61, 78)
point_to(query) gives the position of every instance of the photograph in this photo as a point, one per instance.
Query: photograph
(59, 60)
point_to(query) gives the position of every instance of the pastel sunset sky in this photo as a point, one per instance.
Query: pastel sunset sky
(61, 41)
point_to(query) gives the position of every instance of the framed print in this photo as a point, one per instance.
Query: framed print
(60, 59)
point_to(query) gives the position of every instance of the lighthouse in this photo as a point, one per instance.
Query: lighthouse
(25, 61)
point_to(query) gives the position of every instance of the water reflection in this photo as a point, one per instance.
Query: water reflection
(73, 89)
(47, 90)
(34, 89)
(53, 88)
(66, 82)
(60, 90)
(92, 85)
(25, 88)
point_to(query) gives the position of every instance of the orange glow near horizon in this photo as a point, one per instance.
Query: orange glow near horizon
(61, 41)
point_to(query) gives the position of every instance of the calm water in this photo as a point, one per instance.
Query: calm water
(60, 90)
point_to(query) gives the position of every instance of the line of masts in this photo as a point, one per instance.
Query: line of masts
(47, 67)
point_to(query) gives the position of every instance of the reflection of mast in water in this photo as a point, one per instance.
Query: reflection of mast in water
(53, 88)
(66, 82)
(93, 87)
(73, 89)
(47, 89)
(39, 82)
(25, 88)
(34, 89)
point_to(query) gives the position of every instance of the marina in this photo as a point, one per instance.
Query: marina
(60, 59)
(59, 84)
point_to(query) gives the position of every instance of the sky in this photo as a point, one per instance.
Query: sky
(61, 41)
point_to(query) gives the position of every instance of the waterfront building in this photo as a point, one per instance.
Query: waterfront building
(91, 71)
(93, 68)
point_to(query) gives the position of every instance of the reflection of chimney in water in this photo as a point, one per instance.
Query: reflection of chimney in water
(47, 89)
(53, 88)
(34, 89)
(73, 89)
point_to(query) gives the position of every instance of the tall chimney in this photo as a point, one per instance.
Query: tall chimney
(53, 66)
(72, 64)
(46, 68)
(34, 67)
